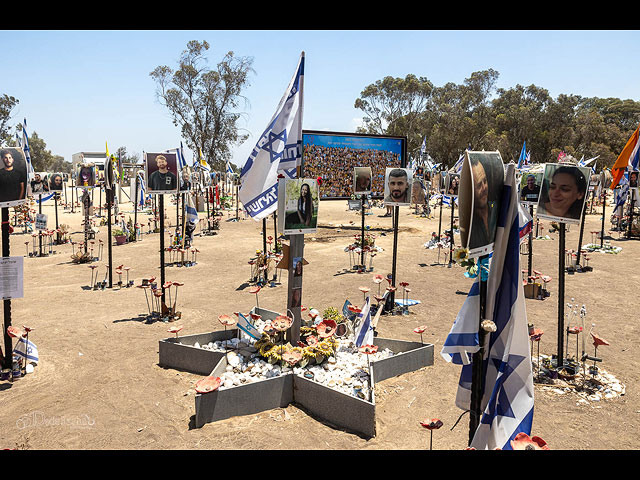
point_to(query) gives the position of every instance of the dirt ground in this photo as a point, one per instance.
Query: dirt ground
(98, 384)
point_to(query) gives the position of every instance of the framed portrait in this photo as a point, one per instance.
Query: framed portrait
(397, 186)
(56, 182)
(186, 180)
(296, 297)
(298, 207)
(333, 156)
(297, 266)
(14, 186)
(530, 188)
(453, 184)
(563, 192)
(86, 175)
(481, 184)
(633, 179)
(361, 180)
(419, 189)
(161, 172)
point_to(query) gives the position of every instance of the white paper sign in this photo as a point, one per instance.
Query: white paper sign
(11, 277)
(41, 221)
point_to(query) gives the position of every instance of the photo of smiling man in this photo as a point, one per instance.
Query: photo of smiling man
(397, 186)
(162, 172)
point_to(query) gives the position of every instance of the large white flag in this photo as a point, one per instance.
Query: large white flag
(507, 394)
(279, 148)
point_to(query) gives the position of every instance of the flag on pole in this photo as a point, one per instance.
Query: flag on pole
(523, 155)
(621, 193)
(507, 394)
(279, 148)
(364, 331)
(423, 148)
(31, 174)
(141, 189)
(457, 168)
(247, 327)
(202, 163)
(191, 211)
(628, 158)
(26, 349)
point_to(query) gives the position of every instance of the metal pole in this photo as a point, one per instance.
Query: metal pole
(477, 375)
(135, 209)
(633, 200)
(530, 269)
(362, 233)
(453, 206)
(109, 194)
(561, 266)
(161, 203)
(40, 231)
(7, 361)
(584, 214)
(604, 204)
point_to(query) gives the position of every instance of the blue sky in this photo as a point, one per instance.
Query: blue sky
(79, 89)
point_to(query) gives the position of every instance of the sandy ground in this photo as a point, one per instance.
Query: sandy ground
(98, 384)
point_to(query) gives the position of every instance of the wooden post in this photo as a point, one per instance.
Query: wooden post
(561, 267)
(296, 250)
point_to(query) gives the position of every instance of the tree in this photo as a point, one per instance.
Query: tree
(7, 104)
(203, 102)
(392, 106)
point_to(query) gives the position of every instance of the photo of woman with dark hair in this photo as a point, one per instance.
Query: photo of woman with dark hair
(301, 206)
(563, 192)
(55, 182)
(86, 176)
(305, 205)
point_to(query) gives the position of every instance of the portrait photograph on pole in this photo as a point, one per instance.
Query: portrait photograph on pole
(453, 183)
(161, 172)
(361, 180)
(56, 182)
(298, 213)
(530, 187)
(86, 175)
(13, 177)
(397, 186)
(481, 184)
(563, 192)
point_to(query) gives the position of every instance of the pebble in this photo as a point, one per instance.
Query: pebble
(346, 371)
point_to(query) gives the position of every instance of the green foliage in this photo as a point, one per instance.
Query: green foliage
(478, 115)
(203, 102)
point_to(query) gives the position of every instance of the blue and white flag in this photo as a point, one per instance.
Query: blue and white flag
(523, 155)
(507, 394)
(190, 210)
(457, 168)
(44, 198)
(279, 148)
(423, 148)
(229, 169)
(25, 350)
(247, 327)
(621, 193)
(31, 174)
(364, 330)
(526, 221)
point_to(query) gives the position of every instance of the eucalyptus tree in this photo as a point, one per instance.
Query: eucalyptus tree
(204, 102)
(7, 104)
(393, 106)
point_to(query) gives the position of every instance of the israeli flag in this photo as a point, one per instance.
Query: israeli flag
(446, 200)
(279, 148)
(622, 192)
(191, 211)
(507, 394)
(141, 189)
(25, 350)
(25, 145)
(364, 330)
(523, 155)
(229, 169)
(247, 327)
(423, 148)
(457, 168)
(182, 162)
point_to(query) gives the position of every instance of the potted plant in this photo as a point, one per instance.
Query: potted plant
(120, 236)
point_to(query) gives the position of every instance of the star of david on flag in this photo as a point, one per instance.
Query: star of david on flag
(277, 151)
(507, 387)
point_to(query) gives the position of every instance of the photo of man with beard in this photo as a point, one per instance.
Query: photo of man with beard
(397, 186)
(13, 176)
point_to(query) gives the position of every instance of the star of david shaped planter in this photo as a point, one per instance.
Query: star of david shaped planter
(347, 411)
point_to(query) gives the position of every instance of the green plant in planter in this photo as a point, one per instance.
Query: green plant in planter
(118, 232)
